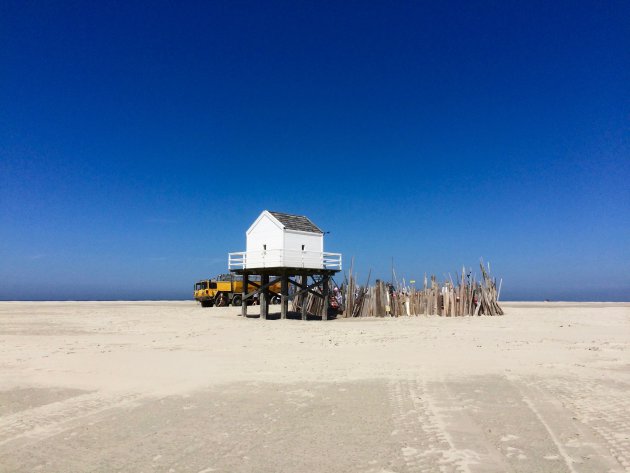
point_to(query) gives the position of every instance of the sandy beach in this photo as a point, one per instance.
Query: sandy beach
(172, 387)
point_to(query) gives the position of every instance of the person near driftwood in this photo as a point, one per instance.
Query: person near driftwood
(338, 297)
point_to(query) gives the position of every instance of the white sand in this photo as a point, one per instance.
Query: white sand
(161, 386)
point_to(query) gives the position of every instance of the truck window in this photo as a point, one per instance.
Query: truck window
(213, 285)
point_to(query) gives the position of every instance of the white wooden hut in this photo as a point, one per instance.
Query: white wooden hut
(281, 240)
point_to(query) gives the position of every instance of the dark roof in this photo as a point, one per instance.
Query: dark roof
(296, 222)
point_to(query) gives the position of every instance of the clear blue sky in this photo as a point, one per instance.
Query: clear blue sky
(139, 141)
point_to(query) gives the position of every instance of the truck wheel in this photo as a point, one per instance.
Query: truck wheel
(237, 300)
(275, 300)
(220, 300)
(206, 303)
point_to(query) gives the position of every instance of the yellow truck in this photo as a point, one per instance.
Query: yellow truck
(227, 289)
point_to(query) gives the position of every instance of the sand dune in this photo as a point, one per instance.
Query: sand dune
(168, 386)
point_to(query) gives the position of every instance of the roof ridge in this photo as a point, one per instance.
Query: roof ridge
(285, 213)
(295, 222)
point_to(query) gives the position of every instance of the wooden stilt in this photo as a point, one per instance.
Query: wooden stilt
(244, 294)
(304, 282)
(284, 296)
(264, 298)
(325, 293)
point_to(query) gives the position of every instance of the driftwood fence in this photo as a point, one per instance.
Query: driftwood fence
(466, 296)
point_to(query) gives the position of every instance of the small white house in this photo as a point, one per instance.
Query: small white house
(281, 240)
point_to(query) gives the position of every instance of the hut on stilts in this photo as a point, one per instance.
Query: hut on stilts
(289, 249)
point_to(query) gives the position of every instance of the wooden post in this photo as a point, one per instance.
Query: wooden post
(284, 296)
(304, 282)
(325, 293)
(264, 297)
(245, 291)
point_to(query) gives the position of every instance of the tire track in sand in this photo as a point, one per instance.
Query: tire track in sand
(50, 419)
(426, 444)
(506, 424)
(602, 407)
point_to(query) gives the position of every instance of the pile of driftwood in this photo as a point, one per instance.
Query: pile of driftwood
(466, 296)
(314, 304)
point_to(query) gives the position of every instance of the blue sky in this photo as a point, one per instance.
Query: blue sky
(138, 141)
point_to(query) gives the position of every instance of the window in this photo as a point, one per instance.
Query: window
(303, 247)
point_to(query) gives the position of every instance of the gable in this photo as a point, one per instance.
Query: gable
(269, 221)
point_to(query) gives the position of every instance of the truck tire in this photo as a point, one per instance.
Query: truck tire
(275, 300)
(237, 300)
(207, 303)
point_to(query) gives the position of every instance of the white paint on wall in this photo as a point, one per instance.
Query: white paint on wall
(303, 249)
(265, 231)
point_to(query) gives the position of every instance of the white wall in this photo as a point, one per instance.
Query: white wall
(312, 242)
(310, 257)
(265, 231)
